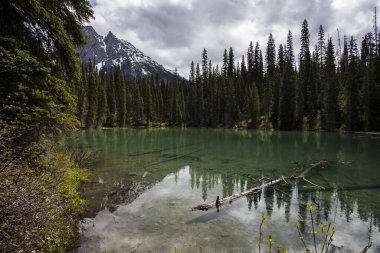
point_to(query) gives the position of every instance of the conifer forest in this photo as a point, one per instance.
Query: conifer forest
(335, 86)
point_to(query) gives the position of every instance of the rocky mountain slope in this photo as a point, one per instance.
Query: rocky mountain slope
(110, 51)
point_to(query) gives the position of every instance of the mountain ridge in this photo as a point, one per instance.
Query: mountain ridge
(110, 51)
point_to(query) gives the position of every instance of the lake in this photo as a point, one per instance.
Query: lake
(146, 181)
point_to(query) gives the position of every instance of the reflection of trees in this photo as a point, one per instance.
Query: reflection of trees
(269, 198)
(328, 202)
(286, 197)
(239, 159)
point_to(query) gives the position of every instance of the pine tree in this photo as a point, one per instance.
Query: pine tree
(82, 96)
(121, 97)
(321, 46)
(254, 105)
(243, 69)
(102, 102)
(277, 87)
(92, 95)
(353, 88)
(205, 69)
(192, 73)
(306, 107)
(225, 64)
(287, 102)
(250, 59)
(270, 58)
(148, 100)
(111, 99)
(330, 92)
(231, 64)
(371, 105)
(258, 69)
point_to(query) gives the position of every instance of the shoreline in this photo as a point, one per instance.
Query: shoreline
(164, 126)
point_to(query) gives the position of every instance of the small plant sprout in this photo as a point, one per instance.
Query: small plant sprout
(313, 231)
(327, 232)
(282, 250)
(263, 217)
(270, 243)
(300, 234)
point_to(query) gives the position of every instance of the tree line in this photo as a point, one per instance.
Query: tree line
(329, 88)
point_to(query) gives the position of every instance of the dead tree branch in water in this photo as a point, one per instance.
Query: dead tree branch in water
(256, 189)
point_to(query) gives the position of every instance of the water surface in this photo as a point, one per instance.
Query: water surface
(146, 181)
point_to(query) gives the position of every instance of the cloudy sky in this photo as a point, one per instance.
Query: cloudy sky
(174, 32)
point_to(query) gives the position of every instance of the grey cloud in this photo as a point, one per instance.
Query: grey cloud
(167, 26)
(211, 24)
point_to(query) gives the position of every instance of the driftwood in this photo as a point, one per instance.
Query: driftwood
(269, 183)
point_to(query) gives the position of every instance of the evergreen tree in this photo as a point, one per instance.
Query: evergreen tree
(287, 102)
(243, 69)
(353, 88)
(111, 99)
(277, 87)
(204, 65)
(192, 73)
(39, 65)
(148, 100)
(306, 107)
(330, 92)
(102, 102)
(250, 59)
(270, 58)
(231, 64)
(254, 105)
(121, 98)
(225, 64)
(321, 46)
(371, 94)
(258, 69)
(82, 96)
(92, 95)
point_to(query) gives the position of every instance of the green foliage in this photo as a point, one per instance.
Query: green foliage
(32, 98)
(39, 78)
(38, 63)
(60, 229)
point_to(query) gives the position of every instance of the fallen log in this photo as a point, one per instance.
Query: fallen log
(256, 189)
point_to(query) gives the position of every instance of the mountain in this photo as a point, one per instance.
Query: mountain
(110, 51)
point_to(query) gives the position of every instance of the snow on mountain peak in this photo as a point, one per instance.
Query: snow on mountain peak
(110, 51)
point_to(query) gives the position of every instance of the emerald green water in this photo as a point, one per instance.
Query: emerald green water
(142, 189)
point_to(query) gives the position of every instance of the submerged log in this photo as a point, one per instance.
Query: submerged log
(256, 189)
